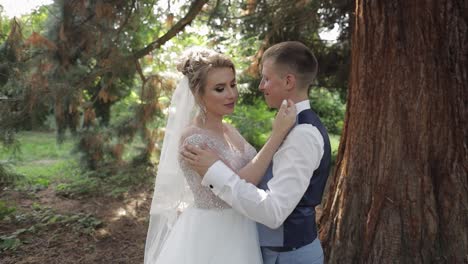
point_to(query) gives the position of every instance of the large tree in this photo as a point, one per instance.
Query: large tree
(400, 192)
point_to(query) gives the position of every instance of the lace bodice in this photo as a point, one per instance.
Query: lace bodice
(235, 158)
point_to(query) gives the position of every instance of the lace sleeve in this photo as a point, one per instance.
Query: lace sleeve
(193, 137)
(189, 138)
(197, 140)
(197, 137)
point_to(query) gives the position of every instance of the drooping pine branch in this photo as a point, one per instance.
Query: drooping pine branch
(195, 8)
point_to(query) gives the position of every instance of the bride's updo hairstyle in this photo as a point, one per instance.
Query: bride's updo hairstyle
(196, 63)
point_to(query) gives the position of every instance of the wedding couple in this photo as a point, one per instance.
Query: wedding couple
(212, 186)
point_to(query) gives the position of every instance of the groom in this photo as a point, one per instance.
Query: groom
(284, 202)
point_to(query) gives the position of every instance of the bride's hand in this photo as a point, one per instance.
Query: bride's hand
(285, 119)
(198, 158)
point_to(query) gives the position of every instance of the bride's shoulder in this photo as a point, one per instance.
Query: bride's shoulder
(188, 131)
(193, 135)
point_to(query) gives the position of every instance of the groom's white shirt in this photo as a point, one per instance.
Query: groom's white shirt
(293, 166)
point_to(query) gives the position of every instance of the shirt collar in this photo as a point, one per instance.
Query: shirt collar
(301, 106)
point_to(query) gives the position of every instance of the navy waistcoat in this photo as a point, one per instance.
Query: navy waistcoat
(299, 228)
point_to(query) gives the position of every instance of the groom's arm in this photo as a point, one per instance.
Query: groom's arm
(293, 166)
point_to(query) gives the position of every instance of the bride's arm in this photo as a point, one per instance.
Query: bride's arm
(254, 171)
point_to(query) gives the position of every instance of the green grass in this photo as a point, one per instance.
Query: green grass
(38, 145)
(44, 174)
(40, 159)
(43, 162)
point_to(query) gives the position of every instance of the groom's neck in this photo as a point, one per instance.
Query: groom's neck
(300, 96)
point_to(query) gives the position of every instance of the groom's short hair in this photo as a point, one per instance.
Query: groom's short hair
(295, 57)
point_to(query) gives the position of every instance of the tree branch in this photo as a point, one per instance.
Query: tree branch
(140, 71)
(179, 26)
(127, 17)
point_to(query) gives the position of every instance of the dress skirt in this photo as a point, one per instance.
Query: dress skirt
(208, 236)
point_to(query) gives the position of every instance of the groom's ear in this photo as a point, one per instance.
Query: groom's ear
(290, 82)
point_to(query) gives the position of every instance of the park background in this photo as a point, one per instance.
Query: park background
(84, 91)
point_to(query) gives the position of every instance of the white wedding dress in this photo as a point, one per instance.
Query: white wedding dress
(210, 232)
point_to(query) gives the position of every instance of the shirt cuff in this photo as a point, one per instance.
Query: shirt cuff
(217, 176)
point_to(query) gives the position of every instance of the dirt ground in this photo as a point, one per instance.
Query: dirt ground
(119, 239)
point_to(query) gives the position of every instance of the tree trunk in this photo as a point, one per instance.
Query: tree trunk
(400, 192)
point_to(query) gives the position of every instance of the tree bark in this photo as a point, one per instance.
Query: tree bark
(400, 190)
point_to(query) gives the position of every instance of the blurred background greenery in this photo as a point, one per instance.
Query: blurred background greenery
(84, 91)
(84, 84)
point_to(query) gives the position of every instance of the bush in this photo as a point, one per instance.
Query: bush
(112, 181)
(253, 121)
(329, 107)
(5, 210)
(8, 178)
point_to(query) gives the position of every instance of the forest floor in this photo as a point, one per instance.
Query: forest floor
(55, 229)
(41, 221)
(117, 236)
(45, 219)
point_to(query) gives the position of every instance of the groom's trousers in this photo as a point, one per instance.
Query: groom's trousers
(308, 254)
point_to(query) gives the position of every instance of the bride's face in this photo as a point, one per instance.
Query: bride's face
(220, 93)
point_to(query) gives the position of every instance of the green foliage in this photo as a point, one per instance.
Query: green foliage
(5, 210)
(43, 163)
(11, 242)
(129, 177)
(85, 73)
(253, 121)
(4, 25)
(245, 29)
(84, 62)
(334, 142)
(40, 175)
(329, 107)
(122, 110)
(110, 181)
(18, 105)
(82, 186)
(337, 12)
(8, 177)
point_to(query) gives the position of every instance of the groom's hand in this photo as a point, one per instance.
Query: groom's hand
(199, 159)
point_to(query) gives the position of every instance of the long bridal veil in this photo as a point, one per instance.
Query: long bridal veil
(171, 192)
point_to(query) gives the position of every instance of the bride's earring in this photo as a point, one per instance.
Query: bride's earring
(203, 113)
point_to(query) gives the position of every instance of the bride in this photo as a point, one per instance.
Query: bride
(188, 223)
